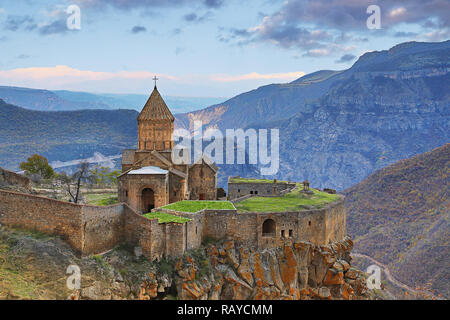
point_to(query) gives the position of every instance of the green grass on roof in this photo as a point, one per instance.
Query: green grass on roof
(102, 199)
(253, 180)
(293, 201)
(197, 205)
(166, 217)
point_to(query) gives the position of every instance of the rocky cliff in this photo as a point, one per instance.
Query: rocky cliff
(33, 266)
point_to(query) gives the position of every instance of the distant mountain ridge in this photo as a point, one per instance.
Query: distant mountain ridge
(63, 135)
(337, 127)
(399, 215)
(64, 100)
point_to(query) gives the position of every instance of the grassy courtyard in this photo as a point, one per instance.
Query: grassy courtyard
(293, 201)
(101, 199)
(166, 217)
(197, 205)
(253, 180)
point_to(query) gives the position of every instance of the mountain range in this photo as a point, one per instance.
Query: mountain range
(337, 127)
(63, 100)
(399, 216)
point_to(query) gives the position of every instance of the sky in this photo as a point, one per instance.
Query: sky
(199, 48)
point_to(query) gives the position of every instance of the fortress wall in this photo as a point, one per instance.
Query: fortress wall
(12, 178)
(194, 228)
(311, 226)
(176, 238)
(336, 222)
(225, 224)
(44, 215)
(138, 232)
(103, 228)
(316, 226)
(237, 190)
(194, 231)
(156, 240)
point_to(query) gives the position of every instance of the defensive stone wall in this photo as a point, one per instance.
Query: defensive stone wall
(318, 226)
(92, 230)
(238, 190)
(44, 215)
(103, 228)
(9, 178)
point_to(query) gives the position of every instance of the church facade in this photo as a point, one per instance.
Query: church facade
(149, 178)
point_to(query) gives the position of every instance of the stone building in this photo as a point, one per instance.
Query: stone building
(149, 178)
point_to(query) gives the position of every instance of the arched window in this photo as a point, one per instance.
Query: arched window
(269, 228)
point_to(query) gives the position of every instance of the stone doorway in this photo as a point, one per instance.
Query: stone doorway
(202, 196)
(148, 200)
(269, 228)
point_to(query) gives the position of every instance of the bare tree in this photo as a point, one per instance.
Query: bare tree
(73, 183)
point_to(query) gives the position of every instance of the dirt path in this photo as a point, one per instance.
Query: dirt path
(394, 281)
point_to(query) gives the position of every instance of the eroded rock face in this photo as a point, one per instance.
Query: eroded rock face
(295, 271)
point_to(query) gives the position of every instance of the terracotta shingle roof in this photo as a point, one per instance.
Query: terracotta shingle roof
(155, 108)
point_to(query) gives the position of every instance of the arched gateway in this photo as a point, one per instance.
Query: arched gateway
(148, 200)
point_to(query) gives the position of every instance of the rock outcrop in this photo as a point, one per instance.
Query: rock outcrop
(296, 271)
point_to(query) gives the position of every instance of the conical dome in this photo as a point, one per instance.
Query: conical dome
(155, 108)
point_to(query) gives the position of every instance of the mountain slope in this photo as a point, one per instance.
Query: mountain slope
(44, 100)
(72, 135)
(400, 216)
(336, 128)
(63, 135)
(63, 100)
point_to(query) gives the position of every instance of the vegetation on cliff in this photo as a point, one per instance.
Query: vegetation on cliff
(400, 216)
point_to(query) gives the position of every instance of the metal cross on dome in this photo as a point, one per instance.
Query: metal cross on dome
(155, 79)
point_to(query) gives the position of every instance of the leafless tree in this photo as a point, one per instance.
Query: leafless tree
(73, 183)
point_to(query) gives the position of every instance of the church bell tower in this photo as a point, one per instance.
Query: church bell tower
(155, 124)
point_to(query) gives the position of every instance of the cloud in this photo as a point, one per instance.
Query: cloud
(64, 76)
(317, 53)
(23, 56)
(258, 76)
(314, 24)
(146, 4)
(346, 58)
(193, 17)
(214, 3)
(68, 74)
(138, 29)
(15, 23)
(179, 50)
(402, 34)
(55, 27)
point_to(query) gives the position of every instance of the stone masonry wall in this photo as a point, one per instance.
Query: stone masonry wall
(44, 215)
(236, 190)
(316, 226)
(11, 178)
(103, 228)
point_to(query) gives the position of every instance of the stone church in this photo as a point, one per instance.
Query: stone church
(149, 178)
